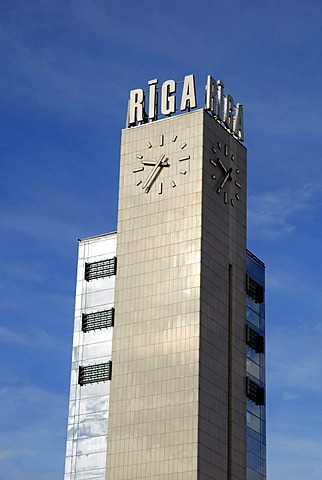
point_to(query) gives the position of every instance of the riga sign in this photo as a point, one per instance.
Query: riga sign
(220, 105)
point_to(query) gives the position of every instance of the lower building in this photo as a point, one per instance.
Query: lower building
(91, 372)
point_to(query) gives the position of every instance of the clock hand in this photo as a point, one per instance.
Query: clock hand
(222, 165)
(152, 164)
(223, 183)
(146, 185)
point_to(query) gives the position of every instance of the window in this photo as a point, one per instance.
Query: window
(254, 340)
(102, 268)
(95, 373)
(254, 290)
(97, 320)
(255, 392)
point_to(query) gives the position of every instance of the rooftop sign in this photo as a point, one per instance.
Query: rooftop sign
(162, 100)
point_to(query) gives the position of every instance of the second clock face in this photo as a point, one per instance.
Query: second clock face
(226, 173)
(161, 163)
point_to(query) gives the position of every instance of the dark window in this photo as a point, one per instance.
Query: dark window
(255, 392)
(254, 340)
(96, 320)
(95, 373)
(103, 268)
(254, 290)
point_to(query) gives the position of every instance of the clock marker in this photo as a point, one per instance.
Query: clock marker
(213, 177)
(238, 185)
(174, 138)
(160, 188)
(232, 202)
(150, 164)
(214, 150)
(149, 144)
(183, 172)
(213, 162)
(161, 140)
(237, 171)
(138, 169)
(237, 196)
(183, 146)
(138, 183)
(233, 157)
(225, 197)
(139, 157)
(173, 184)
(219, 144)
(184, 158)
(226, 150)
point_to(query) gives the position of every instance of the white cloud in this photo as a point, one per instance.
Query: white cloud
(35, 425)
(294, 457)
(271, 214)
(34, 337)
(295, 360)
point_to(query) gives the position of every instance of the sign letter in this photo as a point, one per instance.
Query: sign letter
(168, 102)
(188, 99)
(229, 108)
(136, 106)
(153, 99)
(239, 122)
(211, 92)
(220, 87)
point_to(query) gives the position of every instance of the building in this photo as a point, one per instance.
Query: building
(166, 307)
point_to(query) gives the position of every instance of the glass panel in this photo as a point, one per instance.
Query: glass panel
(252, 475)
(254, 446)
(253, 422)
(252, 368)
(254, 462)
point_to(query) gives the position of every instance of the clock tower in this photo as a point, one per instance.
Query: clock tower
(177, 403)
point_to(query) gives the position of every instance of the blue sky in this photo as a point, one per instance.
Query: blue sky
(67, 68)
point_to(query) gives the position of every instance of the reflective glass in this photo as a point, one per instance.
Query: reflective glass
(252, 475)
(254, 446)
(254, 462)
(253, 317)
(253, 368)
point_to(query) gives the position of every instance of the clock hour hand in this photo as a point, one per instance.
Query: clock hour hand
(223, 183)
(152, 164)
(154, 173)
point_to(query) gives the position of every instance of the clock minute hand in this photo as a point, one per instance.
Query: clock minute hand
(222, 166)
(223, 183)
(146, 185)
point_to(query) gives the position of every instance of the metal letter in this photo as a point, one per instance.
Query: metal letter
(211, 92)
(136, 106)
(188, 99)
(229, 108)
(220, 108)
(239, 122)
(168, 102)
(153, 99)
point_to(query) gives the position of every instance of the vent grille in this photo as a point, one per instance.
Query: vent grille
(95, 373)
(102, 268)
(255, 392)
(97, 320)
(254, 290)
(254, 340)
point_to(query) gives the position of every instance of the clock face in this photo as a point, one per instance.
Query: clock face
(161, 163)
(226, 173)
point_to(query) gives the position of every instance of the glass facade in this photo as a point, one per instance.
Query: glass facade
(91, 363)
(255, 367)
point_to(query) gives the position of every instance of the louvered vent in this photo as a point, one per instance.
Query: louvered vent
(100, 269)
(95, 373)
